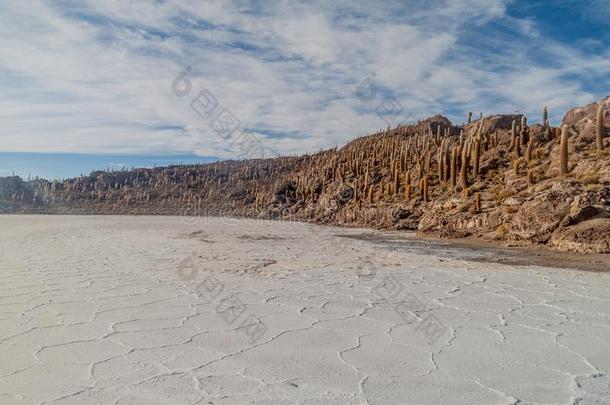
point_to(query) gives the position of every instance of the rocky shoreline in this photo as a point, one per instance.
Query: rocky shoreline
(497, 178)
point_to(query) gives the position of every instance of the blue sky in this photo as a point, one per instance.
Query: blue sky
(66, 165)
(95, 77)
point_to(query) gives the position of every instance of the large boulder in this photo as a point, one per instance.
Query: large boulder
(581, 114)
(494, 123)
(591, 236)
(538, 217)
(582, 120)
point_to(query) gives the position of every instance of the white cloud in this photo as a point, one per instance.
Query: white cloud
(95, 76)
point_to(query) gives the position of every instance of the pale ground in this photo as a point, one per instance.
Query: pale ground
(134, 310)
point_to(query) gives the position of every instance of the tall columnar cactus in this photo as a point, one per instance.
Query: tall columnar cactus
(599, 128)
(563, 151)
(396, 181)
(545, 117)
(441, 161)
(423, 189)
(469, 117)
(524, 133)
(528, 151)
(513, 132)
(453, 169)
(480, 129)
(464, 168)
(530, 177)
(475, 159)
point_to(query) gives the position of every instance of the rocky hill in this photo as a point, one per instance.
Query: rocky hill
(498, 178)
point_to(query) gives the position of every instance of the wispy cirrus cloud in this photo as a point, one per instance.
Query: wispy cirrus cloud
(95, 76)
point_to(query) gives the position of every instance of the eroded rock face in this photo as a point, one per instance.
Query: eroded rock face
(497, 122)
(581, 114)
(592, 236)
(538, 218)
(583, 214)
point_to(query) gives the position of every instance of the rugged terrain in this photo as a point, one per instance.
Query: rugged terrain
(498, 178)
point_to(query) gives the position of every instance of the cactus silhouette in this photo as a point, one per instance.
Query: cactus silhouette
(563, 151)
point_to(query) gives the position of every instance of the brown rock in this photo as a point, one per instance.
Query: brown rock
(592, 236)
(537, 219)
(579, 117)
(583, 214)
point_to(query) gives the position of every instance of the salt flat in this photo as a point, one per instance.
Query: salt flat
(159, 310)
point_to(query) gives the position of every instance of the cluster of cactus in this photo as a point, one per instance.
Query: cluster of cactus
(404, 165)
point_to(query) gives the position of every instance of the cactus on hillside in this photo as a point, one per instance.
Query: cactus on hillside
(525, 131)
(464, 167)
(475, 159)
(545, 117)
(599, 128)
(513, 132)
(528, 151)
(453, 169)
(563, 151)
(530, 177)
(424, 189)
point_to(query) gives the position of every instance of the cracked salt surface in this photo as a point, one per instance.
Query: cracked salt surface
(94, 310)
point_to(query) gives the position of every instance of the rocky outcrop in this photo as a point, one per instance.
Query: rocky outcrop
(538, 217)
(591, 236)
(482, 179)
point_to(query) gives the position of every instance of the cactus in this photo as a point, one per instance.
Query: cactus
(423, 189)
(441, 161)
(464, 167)
(528, 151)
(453, 170)
(524, 133)
(557, 135)
(530, 177)
(480, 129)
(545, 117)
(475, 158)
(516, 164)
(396, 181)
(599, 128)
(513, 132)
(563, 151)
